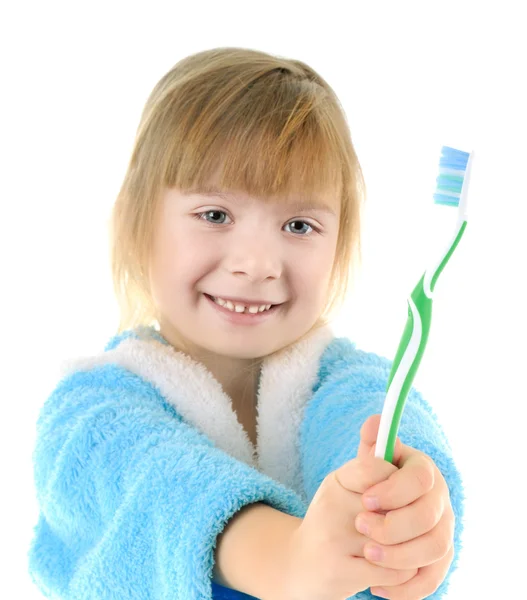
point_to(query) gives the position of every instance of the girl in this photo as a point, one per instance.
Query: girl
(224, 393)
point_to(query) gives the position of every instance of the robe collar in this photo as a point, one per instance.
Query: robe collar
(285, 386)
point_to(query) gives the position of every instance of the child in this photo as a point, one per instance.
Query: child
(203, 422)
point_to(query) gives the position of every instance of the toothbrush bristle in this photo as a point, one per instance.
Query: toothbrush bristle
(452, 168)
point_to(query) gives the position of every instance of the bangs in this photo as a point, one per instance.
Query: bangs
(272, 139)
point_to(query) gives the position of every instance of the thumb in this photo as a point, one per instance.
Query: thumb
(368, 439)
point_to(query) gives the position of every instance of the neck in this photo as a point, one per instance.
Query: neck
(238, 377)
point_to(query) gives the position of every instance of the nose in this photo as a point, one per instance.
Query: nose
(256, 256)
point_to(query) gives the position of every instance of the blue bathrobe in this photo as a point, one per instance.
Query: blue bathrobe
(140, 461)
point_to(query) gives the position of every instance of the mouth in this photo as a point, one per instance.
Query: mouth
(244, 316)
(234, 302)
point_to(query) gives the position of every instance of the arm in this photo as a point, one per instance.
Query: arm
(252, 551)
(132, 499)
(354, 389)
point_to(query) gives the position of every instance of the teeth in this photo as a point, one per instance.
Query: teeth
(239, 308)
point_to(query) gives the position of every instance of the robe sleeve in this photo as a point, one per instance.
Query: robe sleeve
(131, 498)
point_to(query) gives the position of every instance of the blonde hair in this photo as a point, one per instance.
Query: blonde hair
(271, 125)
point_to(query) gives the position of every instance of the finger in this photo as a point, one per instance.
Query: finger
(419, 552)
(403, 524)
(360, 474)
(381, 575)
(424, 584)
(368, 439)
(368, 435)
(405, 485)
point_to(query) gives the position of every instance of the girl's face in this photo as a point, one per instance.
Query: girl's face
(240, 247)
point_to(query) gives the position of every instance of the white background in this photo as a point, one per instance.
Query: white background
(411, 76)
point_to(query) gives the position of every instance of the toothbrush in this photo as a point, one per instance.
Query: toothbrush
(451, 190)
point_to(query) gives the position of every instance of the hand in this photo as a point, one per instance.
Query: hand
(324, 556)
(414, 524)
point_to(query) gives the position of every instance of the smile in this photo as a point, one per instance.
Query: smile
(245, 317)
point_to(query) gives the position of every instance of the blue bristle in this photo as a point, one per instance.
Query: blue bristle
(452, 167)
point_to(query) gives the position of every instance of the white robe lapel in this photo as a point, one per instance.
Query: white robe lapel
(286, 380)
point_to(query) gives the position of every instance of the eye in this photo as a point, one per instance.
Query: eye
(217, 214)
(211, 212)
(303, 223)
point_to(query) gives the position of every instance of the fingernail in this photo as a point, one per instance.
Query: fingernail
(374, 553)
(362, 527)
(371, 502)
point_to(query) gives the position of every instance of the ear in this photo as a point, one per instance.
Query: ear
(368, 439)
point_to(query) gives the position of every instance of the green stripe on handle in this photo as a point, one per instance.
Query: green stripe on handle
(423, 304)
(419, 307)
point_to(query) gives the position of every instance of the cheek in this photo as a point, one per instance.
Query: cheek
(165, 263)
(316, 275)
(310, 281)
(318, 267)
(181, 260)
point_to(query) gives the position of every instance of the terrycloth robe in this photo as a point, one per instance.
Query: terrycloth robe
(140, 461)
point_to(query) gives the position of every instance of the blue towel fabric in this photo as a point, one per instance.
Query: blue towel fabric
(140, 462)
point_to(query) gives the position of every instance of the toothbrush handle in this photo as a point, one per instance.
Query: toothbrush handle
(410, 351)
(405, 364)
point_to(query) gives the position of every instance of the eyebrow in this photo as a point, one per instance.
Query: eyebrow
(296, 206)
